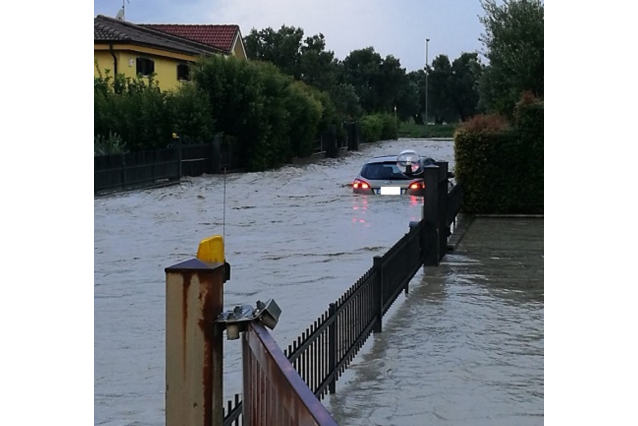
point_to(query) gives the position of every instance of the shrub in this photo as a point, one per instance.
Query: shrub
(305, 114)
(134, 109)
(371, 128)
(376, 127)
(191, 114)
(390, 128)
(108, 145)
(501, 166)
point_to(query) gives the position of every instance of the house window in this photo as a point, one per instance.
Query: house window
(183, 72)
(145, 66)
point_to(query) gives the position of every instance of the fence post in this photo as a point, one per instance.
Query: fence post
(444, 230)
(378, 293)
(123, 171)
(332, 347)
(194, 345)
(431, 216)
(331, 148)
(216, 154)
(178, 144)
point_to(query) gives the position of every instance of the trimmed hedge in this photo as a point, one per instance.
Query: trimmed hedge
(377, 127)
(501, 165)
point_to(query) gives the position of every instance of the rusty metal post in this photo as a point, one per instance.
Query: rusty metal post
(194, 345)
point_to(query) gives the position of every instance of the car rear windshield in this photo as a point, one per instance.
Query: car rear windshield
(386, 171)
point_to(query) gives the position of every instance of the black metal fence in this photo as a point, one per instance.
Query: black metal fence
(145, 169)
(121, 172)
(325, 349)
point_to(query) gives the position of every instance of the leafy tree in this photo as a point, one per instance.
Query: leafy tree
(362, 70)
(304, 59)
(381, 84)
(417, 81)
(317, 66)
(346, 101)
(440, 84)
(514, 39)
(466, 74)
(407, 100)
(281, 48)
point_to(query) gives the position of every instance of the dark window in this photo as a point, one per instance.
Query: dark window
(183, 72)
(385, 171)
(145, 66)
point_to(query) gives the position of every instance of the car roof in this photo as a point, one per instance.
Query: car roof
(388, 158)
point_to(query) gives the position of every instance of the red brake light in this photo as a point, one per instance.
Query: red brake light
(417, 185)
(360, 184)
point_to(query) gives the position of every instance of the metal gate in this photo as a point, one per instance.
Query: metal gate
(274, 393)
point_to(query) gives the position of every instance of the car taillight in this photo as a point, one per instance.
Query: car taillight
(359, 184)
(417, 185)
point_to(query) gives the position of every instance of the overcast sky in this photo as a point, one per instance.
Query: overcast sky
(392, 27)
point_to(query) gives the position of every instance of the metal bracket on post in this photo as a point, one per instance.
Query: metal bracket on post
(236, 320)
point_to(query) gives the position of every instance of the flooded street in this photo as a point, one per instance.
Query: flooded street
(466, 347)
(457, 348)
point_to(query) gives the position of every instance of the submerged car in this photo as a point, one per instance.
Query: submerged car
(382, 176)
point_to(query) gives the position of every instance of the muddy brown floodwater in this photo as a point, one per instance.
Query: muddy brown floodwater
(461, 348)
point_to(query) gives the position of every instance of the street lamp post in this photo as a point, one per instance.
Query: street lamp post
(427, 40)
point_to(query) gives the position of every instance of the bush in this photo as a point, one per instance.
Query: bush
(371, 128)
(390, 128)
(376, 127)
(500, 166)
(305, 114)
(191, 114)
(271, 117)
(144, 118)
(109, 145)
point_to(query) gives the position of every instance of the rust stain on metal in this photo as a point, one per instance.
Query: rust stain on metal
(187, 282)
(276, 394)
(211, 301)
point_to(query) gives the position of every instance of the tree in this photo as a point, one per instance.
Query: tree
(362, 69)
(417, 82)
(466, 74)
(317, 67)
(381, 84)
(440, 82)
(514, 39)
(281, 48)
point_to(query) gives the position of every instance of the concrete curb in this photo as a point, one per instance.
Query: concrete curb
(463, 223)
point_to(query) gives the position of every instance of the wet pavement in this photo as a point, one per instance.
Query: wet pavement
(466, 347)
(298, 235)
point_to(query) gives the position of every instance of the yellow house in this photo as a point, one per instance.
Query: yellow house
(131, 49)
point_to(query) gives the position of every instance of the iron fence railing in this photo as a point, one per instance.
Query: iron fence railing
(144, 169)
(325, 349)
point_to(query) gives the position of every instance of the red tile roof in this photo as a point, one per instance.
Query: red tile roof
(107, 29)
(219, 36)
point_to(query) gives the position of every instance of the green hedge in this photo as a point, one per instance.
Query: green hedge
(133, 114)
(501, 165)
(378, 127)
